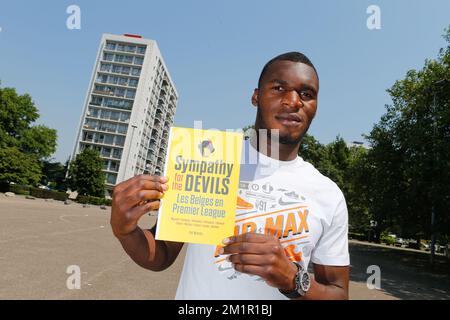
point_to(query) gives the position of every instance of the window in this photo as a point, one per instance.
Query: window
(133, 83)
(120, 47)
(116, 69)
(102, 78)
(130, 94)
(123, 81)
(105, 67)
(119, 58)
(99, 138)
(128, 59)
(130, 49)
(136, 71)
(91, 124)
(114, 166)
(110, 178)
(93, 112)
(96, 101)
(106, 114)
(138, 60)
(109, 139)
(106, 152)
(115, 115)
(141, 50)
(120, 141)
(125, 70)
(110, 45)
(119, 92)
(117, 153)
(108, 56)
(124, 116)
(122, 128)
(87, 136)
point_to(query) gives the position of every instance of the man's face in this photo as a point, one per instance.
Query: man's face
(287, 100)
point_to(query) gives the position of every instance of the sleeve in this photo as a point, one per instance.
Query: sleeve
(332, 247)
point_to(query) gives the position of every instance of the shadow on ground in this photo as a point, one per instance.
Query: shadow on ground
(404, 274)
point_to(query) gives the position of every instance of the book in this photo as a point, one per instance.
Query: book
(203, 168)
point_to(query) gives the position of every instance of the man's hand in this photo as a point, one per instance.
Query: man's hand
(132, 199)
(261, 255)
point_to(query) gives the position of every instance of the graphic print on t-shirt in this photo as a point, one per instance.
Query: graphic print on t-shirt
(265, 208)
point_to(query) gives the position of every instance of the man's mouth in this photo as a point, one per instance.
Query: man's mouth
(289, 119)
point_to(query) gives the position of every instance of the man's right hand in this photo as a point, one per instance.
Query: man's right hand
(132, 199)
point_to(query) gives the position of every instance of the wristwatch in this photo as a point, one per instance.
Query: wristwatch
(302, 283)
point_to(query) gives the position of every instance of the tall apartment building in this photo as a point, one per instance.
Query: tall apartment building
(129, 108)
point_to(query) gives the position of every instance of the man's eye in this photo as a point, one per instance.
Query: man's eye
(279, 88)
(306, 95)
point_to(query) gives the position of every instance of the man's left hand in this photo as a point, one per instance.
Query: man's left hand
(261, 255)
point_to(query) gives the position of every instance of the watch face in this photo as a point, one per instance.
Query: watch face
(305, 282)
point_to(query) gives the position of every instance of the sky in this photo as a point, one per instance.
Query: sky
(215, 51)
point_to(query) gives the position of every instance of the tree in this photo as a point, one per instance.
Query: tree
(357, 190)
(410, 155)
(54, 175)
(21, 142)
(17, 112)
(39, 141)
(19, 168)
(311, 150)
(86, 175)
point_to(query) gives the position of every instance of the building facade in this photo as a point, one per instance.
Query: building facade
(129, 107)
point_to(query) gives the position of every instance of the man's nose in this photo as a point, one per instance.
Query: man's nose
(292, 99)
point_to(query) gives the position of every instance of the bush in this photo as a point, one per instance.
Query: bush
(357, 236)
(387, 239)
(19, 189)
(92, 200)
(48, 194)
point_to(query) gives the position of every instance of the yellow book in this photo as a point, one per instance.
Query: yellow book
(203, 171)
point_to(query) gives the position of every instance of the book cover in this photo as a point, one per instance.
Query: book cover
(202, 167)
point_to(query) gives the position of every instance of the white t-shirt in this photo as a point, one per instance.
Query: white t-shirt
(288, 198)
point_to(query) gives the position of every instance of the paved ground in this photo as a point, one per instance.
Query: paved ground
(39, 239)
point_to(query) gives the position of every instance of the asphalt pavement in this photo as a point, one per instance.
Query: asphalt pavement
(40, 240)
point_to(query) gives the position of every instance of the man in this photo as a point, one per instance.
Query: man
(288, 214)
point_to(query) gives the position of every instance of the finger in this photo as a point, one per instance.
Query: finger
(246, 247)
(124, 185)
(248, 237)
(251, 269)
(142, 196)
(146, 185)
(252, 259)
(137, 212)
(154, 182)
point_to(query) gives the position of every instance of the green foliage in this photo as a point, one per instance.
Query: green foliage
(17, 112)
(347, 168)
(86, 175)
(93, 200)
(54, 175)
(48, 194)
(22, 145)
(410, 155)
(19, 189)
(19, 168)
(385, 238)
(39, 141)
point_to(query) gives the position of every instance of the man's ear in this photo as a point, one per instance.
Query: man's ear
(255, 97)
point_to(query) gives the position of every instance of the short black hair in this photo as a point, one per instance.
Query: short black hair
(293, 56)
